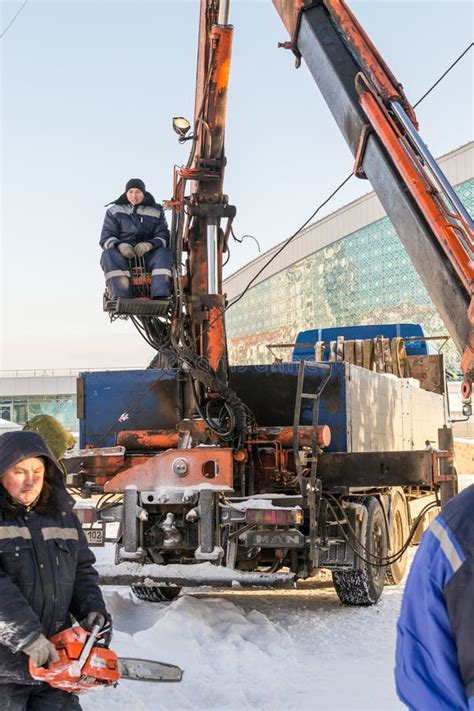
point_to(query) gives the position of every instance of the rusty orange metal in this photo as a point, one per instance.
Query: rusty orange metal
(206, 466)
(284, 435)
(370, 59)
(360, 44)
(467, 361)
(240, 456)
(146, 440)
(289, 11)
(214, 337)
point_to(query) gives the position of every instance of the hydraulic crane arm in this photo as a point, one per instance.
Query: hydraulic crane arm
(380, 128)
(199, 232)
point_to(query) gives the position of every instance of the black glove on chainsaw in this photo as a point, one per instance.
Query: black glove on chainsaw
(105, 622)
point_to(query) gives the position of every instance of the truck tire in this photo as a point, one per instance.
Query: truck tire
(398, 535)
(155, 593)
(364, 586)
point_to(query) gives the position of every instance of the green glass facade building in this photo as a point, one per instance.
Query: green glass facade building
(362, 276)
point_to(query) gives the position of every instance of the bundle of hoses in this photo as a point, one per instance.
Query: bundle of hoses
(240, 419)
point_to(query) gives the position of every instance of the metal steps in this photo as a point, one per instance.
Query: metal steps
(137, 307)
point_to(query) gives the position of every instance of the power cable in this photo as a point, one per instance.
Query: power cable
(2, 35)
(387, 560)
(274, 256)
(470, 46)
(287, 242)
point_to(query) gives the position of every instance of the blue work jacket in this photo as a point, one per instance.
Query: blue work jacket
(435, 633)
(132, 224)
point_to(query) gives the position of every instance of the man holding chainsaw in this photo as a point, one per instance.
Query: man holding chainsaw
(47, 578)
(135, 227)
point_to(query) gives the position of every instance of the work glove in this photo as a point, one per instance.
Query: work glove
(142, 248)
(41, 651)
(126, 250)
(105, 622)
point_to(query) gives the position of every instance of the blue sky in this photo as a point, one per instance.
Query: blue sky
(88, 90)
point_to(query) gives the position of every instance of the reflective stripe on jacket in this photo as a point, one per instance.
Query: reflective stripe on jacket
(46, 566)
(132, 224)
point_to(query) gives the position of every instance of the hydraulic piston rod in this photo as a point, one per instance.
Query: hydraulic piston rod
(212, 257)
(223, 16)
(438, 174)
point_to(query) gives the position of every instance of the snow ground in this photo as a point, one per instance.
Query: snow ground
(257, 649)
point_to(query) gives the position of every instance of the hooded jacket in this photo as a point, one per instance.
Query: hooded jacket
(132, 224)
(435, 633)
(46, 566)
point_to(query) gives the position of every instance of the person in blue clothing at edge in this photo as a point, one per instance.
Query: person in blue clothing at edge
(435, 633)
(135, 226)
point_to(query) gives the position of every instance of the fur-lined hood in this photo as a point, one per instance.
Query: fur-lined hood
(15, 446)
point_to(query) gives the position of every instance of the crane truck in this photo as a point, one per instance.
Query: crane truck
(262, 475)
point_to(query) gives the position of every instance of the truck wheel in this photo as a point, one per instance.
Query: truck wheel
(155, 593)
(364, 586)
(398, 535)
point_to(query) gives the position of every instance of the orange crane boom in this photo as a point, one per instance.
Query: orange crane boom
(380, 127)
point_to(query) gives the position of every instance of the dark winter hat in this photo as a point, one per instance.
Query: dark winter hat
(135, 183)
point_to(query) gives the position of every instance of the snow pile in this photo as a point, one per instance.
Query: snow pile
(217, 644)
(256, 650)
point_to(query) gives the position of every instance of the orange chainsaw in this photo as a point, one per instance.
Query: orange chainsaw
(85, 664)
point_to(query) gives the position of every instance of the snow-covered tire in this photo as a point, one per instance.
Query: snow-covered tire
(398, 535)
(155, 593)
(364, 586)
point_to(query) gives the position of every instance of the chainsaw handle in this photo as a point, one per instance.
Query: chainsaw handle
(38, 673)
(88, 646)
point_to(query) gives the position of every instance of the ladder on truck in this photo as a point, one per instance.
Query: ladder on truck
(310, 486)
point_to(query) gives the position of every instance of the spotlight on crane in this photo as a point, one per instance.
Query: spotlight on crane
(181, 126)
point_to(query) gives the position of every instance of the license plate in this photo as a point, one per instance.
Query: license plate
(95, 535)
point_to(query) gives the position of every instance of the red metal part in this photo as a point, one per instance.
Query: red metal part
(208, 466)
(147, 440)
(100, 669)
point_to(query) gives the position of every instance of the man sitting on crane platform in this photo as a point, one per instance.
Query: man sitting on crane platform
(135, 227)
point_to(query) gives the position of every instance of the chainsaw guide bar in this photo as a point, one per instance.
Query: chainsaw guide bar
(148, 670)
